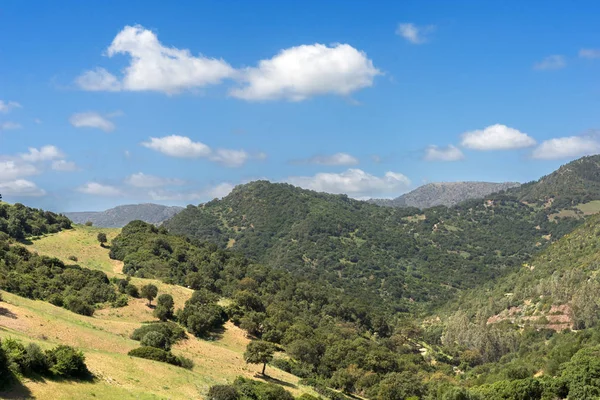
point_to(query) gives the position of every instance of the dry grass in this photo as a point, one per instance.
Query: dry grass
(104, 339)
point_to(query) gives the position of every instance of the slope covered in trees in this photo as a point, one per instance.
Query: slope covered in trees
(402, 255)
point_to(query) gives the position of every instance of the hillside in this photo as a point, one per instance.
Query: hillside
(444, 194)
(105, 338)
(120, 216)
(572, 184)
(402, 255)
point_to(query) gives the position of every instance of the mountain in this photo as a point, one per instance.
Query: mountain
(404, 255)
(572, 184)
(120, 216)
(444, 193)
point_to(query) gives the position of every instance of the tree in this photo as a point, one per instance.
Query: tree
(223, 392)
(149, 292)
(259, 352)
(102, 238)
(164, 307)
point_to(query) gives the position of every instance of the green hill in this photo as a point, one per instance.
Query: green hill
(401, 255)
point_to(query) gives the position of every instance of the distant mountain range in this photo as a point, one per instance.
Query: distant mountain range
(445, 194)
(120, 216)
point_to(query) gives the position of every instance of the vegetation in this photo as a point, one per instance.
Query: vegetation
(157, 354)
(20, 222)
(149, 292)
(246, 389)
(259, 352)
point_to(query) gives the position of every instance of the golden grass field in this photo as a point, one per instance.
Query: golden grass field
(104, 339)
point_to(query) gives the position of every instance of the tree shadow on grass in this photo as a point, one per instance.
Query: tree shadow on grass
(270, 379)
(15, 390)
(5, 312)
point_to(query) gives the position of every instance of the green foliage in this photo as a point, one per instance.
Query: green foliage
(201, 315)
(155, 339)
(102, 238)
(156, 354)
(170, 331)
(255, 390)
(164, 307)
(4, 366)
(149, 292)
(259, 352)
(65, 361)
(223, 392)
(20, 222)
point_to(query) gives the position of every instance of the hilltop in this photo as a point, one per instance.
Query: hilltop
(444, 194)
(120, 216)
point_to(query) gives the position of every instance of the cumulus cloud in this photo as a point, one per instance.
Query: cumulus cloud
(208, 193)
(45, 153)
(11, 170)
(9, 125)
(496, 137)
(551, 63)
(230, 157)
(448, 153)
(21, 187)
(589, 53)
(333, 159)
(142, 180)
(64, 166)
(298, 73)
(155, 67)
(8, 106)
(97, 80)
(98, 189)
(413, 33)
(353, 182)
(91, 119)
(178, 146)
(184, 147)
(566, 147)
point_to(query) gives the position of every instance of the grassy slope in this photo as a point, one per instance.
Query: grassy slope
(105, 341)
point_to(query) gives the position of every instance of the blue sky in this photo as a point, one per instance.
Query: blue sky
(119, 102)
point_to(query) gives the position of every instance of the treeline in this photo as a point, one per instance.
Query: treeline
(19, 222)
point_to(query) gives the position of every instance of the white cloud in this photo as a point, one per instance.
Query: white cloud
(589, 53)
(565, 147)
(496, 137)
(64, 166)
(154, 66)
(184, 147)
(209, 193)
(178, 146)
(21, 187)
(448, 153)
(142, 180)
(98, 189)
(298, 73)
(9, 125)
(45, 153)
(333, 159)
(11, 170)
(229, 157)
(98, 79)
(354, 182)
(8, 106)
(91, 120)
(413, 33)
(551, 63)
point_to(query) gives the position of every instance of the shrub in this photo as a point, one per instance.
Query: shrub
(37, 359)
(121, 301)
(65, 361)
(89, 223)
(170, 330)
(78, 306)
(185, 362)
(4, 369)
(152, 353)
(155, 339)
(223, 392)
(132, 291)
(164, 307)
(72, 258)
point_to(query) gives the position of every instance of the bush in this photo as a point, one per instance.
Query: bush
(37, 359)
(4, 369)
(65, 361)
(89, 223)
(121, 301)
(170, 330)
(72, 258)
(152, 353)
(132, 291)
(78, 306)
(164, 307)
(223, 392)
(185, 362)
(155, 339)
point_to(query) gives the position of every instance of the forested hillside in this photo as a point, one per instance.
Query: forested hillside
(402, 255)
(120, 216)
